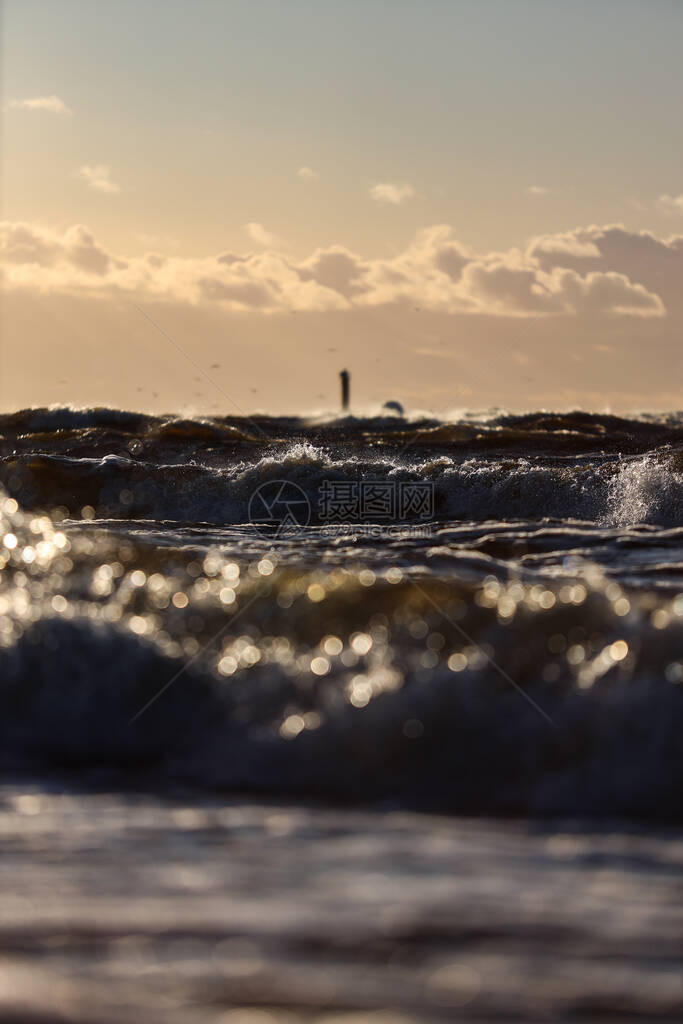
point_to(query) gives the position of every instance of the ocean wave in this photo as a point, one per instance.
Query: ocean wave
(470, 741)
(647, 489)
(421, 688)
(653, 428)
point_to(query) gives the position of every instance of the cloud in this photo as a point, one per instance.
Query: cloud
(560, 247)
(307, 174)
(388, 192)
(334, 268)
(25, 246)
(655, 262)
(261, 235)
(603, 293)
(674, 204)
(537, 190)
(52, 104)
(589, 271)
(98, 177)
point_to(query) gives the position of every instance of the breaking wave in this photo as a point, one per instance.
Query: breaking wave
(215, 485)
(223, 668)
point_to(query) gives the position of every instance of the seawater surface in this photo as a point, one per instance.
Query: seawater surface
(232, 731)
(519, 652)
(121, 908)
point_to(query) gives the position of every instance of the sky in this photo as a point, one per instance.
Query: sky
(214, 207)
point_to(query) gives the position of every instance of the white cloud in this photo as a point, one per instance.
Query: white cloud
(537, 190)
(599, 292)
(98, 177)
(388, 192)
(561, 246)
(307, 174)
(261, 235)
(590, 271)
(657, 263)
(25, 245)
(674, 204)
(52, 104)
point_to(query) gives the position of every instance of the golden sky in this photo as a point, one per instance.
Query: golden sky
(216, 206)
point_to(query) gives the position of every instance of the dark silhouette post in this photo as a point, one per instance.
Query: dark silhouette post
(345, 378)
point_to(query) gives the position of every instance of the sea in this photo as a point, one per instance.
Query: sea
(341, 719)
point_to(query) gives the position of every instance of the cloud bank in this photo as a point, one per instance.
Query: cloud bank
(593, 271)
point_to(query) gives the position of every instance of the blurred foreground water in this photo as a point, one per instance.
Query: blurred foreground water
(516, 655)
(135, 908)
